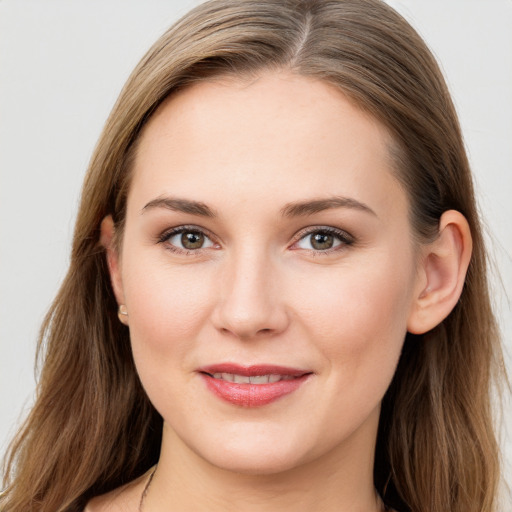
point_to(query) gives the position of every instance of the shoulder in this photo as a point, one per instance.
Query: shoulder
(122, 499)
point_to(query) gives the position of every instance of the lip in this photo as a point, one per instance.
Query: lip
(252, 395)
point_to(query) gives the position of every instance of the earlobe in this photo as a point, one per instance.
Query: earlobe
(442, 273)
(112, 255)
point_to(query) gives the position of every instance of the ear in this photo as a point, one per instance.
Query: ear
(113, 261)
(442, 273)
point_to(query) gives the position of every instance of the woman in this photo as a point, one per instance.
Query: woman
(277, 295)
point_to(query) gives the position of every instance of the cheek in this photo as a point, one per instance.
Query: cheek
(167, 305)
(358, 314)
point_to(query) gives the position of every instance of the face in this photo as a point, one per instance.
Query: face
(268, 271)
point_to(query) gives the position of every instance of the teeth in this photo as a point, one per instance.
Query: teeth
(255, 379)
(259, 379)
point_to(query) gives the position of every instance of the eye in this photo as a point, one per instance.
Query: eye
(186, 239)
(324, 239)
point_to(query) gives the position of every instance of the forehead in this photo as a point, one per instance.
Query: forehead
(278, 134)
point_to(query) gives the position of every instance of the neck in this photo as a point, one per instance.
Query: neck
(340, 481)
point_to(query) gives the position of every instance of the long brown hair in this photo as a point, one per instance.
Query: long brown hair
(93, 428)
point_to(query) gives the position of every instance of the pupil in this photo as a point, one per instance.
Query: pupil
(192, 240)
(322, 241)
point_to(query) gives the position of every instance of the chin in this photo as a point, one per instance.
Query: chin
(254, 463)
(254, 453)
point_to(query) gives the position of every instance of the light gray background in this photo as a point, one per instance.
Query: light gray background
(62, 64)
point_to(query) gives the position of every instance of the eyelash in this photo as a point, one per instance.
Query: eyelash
(343, 237)
(167, 235)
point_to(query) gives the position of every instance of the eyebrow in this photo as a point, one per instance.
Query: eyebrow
(295, 209)
(302, 208)
(180, 205)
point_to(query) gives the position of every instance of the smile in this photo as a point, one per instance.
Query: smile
(256, 379)
(252, 386)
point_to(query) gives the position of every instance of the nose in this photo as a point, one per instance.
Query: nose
(250, 302)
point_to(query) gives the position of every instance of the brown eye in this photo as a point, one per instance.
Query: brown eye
(192, 240)
(186, 239)
(322, 241)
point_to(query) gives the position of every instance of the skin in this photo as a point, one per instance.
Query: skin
(259, 292)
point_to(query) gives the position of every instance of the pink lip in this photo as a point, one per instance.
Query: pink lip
(252, 395)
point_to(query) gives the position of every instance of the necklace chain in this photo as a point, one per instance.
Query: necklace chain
(146, 489)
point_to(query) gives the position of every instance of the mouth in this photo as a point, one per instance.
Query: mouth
(255, 379)
(252, 386)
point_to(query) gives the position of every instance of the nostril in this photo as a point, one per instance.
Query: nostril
(248, 320)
